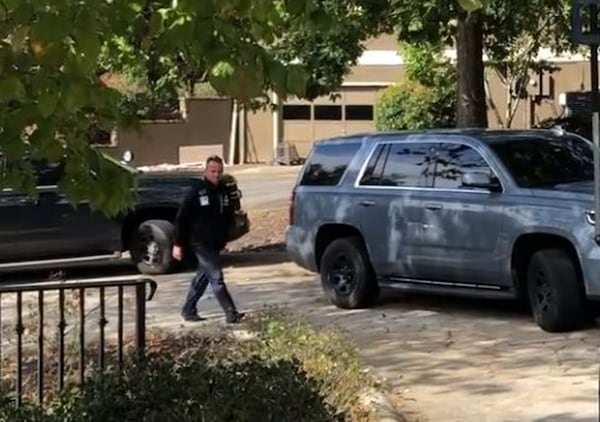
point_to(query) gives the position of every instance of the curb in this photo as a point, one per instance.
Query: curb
(381, 406)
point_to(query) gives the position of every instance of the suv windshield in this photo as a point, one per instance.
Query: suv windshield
(547, 161)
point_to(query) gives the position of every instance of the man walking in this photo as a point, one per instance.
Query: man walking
(205, 217)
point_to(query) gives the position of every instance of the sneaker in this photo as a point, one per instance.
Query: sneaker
(192, 318)
(235, 317)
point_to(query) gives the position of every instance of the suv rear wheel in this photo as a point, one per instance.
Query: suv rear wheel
(555, 292)
(347, 276)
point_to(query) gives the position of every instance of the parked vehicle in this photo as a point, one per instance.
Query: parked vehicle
(481, 213)
(49, 232)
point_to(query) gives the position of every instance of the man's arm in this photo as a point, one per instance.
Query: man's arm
(184, 216)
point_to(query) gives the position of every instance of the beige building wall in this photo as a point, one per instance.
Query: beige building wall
(203, 130)
(364, 83)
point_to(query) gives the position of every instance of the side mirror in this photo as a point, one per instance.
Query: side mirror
(127, 156)
(480, 180)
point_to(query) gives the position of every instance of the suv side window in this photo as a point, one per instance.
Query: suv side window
(328, 163)
(452, 161)
(374, 169)
(401, 164)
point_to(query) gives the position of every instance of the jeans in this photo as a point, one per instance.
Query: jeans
(209, 272)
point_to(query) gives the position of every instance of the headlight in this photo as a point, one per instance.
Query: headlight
(590, 217)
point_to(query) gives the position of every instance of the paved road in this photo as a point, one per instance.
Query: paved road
(450, 359)
(266, 186)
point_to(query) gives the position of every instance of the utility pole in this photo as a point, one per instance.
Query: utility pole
(585, 30)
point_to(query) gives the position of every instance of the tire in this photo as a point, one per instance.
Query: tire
(151, 247)
(362, 289)
(555, 292)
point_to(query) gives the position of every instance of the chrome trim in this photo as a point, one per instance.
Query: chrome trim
(445, 283)
(413, 188)
(41, 188)
(590, 217)
(14, 265)
(363, 166)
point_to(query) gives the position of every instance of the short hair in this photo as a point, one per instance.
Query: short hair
(215, 159)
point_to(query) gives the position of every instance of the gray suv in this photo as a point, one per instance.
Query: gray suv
(481, 213)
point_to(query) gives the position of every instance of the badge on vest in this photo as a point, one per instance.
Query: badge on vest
(203, 200)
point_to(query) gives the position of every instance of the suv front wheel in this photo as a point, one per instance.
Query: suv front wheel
(347, 276)
(555, 292)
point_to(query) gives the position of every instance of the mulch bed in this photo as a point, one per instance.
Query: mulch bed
(267, 232)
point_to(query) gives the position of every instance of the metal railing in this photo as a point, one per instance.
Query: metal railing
(82, 287)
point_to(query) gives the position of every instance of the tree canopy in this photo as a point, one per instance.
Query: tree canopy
(509, 32)
(53, 51)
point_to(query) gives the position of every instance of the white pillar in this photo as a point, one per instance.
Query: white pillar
(277, 124)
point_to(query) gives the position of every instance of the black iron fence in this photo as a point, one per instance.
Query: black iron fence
(144, 290)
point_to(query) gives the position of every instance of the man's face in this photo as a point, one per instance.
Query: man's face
(213, 172)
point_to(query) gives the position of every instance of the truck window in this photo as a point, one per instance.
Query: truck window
(48, 173)
(328, 163)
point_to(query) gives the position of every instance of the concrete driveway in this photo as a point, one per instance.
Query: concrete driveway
(449, 359)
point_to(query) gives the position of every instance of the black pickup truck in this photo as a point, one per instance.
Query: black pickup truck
(50, 233)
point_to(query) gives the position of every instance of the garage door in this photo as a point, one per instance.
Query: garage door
(351, 112)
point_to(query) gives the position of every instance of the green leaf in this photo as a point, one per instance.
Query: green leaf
(296, 7)
(45, 143)
(222, 69)
(17, 38)
(471, 5)
(11, 88)
(156, 23)
(296, 80)
(73, 96)
(48, 97)
(88, 46)
(51, 27)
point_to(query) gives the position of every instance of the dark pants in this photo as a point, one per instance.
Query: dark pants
(209, 272)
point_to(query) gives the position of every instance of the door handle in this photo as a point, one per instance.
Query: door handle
(367, 203)
(433, 207)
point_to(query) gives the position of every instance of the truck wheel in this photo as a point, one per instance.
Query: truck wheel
(555, 292)
(347, 276)
(152, 246)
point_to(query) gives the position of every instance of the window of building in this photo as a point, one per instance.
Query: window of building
(328, 112)
(296, 112)
(359, 112)
(328, 162)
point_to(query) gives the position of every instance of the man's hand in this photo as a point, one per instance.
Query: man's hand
(176, 252)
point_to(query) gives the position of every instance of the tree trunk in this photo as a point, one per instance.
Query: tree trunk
(471, 109)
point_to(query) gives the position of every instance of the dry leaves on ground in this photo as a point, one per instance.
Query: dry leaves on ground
(267, 231)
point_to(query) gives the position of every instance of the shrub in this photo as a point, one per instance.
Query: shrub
(411, 105)
(427, 96)
(290, 371)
